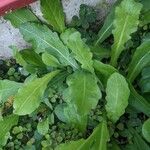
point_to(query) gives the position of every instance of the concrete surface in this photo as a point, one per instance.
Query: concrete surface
(11, 36)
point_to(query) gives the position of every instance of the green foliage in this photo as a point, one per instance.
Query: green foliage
(7, 89)
(44, 39)
(50, 60)
(145, 80)
(140, 59)
(116, 97)
(87, 15)
(81, 96)
(125, 23)
(80, 50)
(104, 71)
(29, 96)
(107, 28)
(29, 59)
(6, 124)
(64, 90)
(97, 140)
(145, 17)
(72, 145)
(53, 13)
(86, 22)
(146, 5)
(146, 130)
(100, 52)
(18, 57)
(32, 58)
(139, 102)
(21, 16)
(43, 126)
(139, 143)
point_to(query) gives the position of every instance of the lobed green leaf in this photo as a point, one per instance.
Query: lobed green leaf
(6, 124)
(141, 58)
(82, 95)
(138, 102)
(117, 94)
(125, 23)
(80, 50)
(145, 80)
(50, 60)
(7, 89)
(29, 96)
(53, 12)
(43, 126)
(43, 39)
(104, 71)
(29, 59)
(146, 130)
(107, 28)
(21, 16)
(96, 141)
(139, 142)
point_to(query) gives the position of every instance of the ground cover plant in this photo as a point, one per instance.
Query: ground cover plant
(76, 89)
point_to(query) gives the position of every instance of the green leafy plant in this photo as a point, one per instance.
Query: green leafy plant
(85, 76)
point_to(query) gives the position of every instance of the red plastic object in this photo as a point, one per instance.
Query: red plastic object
(8, 5)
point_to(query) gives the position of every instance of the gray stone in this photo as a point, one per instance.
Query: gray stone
(9, 36)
